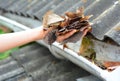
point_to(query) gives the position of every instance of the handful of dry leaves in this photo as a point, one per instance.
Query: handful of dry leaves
(60, 25)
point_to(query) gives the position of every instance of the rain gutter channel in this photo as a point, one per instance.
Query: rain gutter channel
(57, 49)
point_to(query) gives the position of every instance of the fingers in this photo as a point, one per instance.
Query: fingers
(63, 37)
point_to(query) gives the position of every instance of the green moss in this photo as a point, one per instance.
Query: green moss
(87, 47)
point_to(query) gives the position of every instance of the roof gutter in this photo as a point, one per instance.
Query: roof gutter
(58, 51)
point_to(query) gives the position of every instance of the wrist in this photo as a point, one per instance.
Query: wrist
(39, 33)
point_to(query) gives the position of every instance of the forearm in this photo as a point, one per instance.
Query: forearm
(11, 40)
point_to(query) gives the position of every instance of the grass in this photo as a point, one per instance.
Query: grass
(6, 54)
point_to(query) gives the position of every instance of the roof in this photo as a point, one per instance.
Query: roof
(27, 62)
(35, 63)
(106, 14)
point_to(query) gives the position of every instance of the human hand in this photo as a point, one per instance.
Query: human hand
(52, 36)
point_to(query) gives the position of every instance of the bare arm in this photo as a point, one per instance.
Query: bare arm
(11, 40)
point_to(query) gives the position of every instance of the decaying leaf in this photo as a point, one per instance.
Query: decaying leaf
(65, 46)
(51, 18)
(117, 28)
(45, 19)
(64, 24)
(71, 14)
(111, 65)
(86, 48)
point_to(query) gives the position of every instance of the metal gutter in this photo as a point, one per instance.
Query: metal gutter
(58, 51)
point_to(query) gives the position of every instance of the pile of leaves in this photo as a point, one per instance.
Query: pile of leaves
(61, 25)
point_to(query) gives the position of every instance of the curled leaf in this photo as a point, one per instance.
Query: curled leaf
(63, 25)
(71, 14)
(51, 18)
(111, 65)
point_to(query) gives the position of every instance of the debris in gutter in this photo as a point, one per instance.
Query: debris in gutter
(61, 25)
(86, 48)
(111, 65)
(117, 28)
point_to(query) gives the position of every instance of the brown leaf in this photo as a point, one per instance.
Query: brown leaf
(117, 28)
(65, 46)
(45, 19)
(86, 18)
(62, 25)
(51, 18)
(111, 64)
(71, 14)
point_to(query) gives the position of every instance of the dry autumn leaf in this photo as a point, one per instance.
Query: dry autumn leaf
(117, 28)
(111, 65)
(51, 18)
(86, 48)
(61, 25)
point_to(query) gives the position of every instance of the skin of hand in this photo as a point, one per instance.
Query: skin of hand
(11, 40)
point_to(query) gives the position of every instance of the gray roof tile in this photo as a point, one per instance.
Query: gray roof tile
(114, 33)
(79, 4)
(50, 6)
(42, 66)
(21, 77)
(9, 68)
(64, 6)
(37, 7)
(105, 13)
(106, 21)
